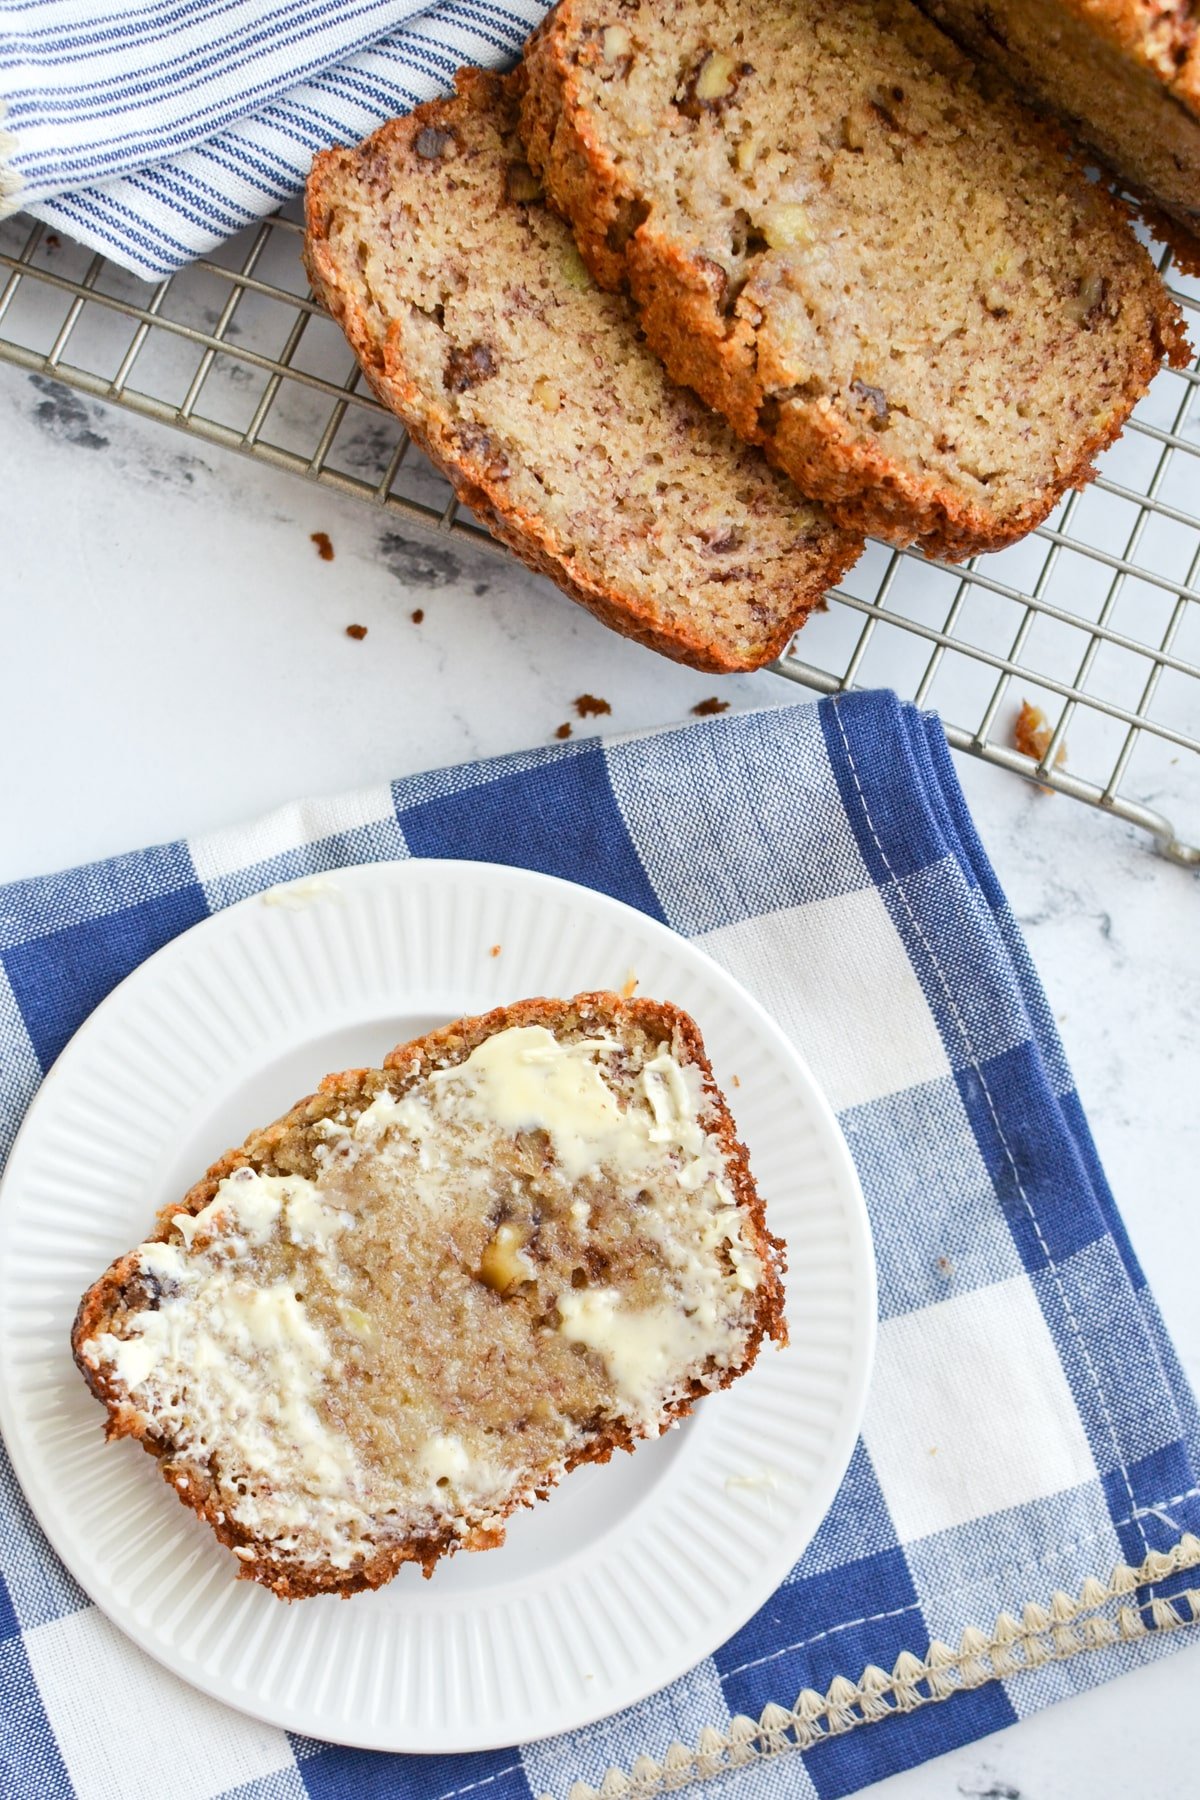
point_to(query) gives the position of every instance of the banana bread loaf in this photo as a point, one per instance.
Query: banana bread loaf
(465, 301)
(416, 1301)
(1123, 75)
(891, 277)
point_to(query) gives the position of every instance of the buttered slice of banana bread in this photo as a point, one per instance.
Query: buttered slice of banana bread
(422, 1296)
(890, 276)
(467, 305)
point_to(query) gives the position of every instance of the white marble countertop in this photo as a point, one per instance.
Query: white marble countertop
(175, 658)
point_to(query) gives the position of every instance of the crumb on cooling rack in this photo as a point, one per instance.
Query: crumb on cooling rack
(590, 706)
(564, 730)
(356, 631)
(53, 241)
(418, 615)
(705, 709)
(324, 544)
(1032, 732)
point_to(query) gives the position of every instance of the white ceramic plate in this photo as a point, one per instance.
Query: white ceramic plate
(630, 1573)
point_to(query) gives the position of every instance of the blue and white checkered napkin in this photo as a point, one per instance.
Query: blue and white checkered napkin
(1017, 1520)
(154, 131)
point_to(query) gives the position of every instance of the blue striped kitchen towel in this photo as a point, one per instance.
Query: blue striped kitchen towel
(823, 854)
(153, 130)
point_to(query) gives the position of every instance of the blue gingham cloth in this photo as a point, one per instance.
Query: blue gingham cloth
(1029, 1429)
(153, 130)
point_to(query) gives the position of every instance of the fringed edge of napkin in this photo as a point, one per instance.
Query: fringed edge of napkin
(10, 182)
(1062, 1628)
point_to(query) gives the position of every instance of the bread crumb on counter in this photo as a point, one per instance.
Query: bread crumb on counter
(590, 706)
(706, 709)
(324, 544)
(356, 631)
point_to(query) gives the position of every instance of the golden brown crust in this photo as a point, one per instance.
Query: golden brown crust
(475, 483)
(718, 353)
(120, 1289)
(1123, 75)
(1162, 39)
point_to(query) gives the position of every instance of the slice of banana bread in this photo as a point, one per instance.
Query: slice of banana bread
(891, 278)
(466, 303)
(417, 1300)
(1123, 75)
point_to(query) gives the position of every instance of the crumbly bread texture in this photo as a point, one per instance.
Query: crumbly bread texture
(474, 319)
(892, 278)
(1123, 75)
(417, 1300)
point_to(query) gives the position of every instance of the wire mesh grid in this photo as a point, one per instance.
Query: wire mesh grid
(1095, 617)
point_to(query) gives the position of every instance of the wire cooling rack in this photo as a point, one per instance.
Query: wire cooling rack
(1095, 617)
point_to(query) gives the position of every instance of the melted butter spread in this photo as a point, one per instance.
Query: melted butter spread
(235, 1355)
(241, 1366)
(526, 1079)
(642, 1348)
